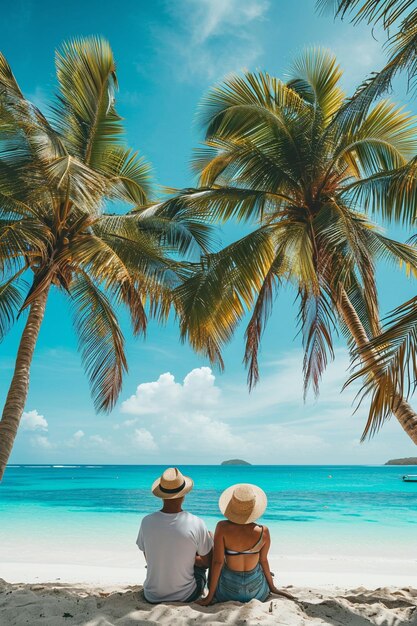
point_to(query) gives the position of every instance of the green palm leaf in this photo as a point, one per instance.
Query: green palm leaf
(85, 113)
(11, 299)
(100, 341)
(57, 175)
(289, 161)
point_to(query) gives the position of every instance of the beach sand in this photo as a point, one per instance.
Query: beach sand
(56, 604)
(328, 591)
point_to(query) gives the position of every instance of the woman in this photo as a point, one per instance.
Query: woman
(240, 569)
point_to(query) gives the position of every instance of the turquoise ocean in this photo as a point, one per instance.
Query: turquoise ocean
(50, 512)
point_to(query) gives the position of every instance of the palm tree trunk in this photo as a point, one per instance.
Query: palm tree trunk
(401, 408)
(19, 387)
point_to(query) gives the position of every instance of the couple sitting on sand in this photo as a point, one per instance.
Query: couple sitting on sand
(179, 549)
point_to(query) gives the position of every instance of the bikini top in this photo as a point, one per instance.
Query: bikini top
(250, 551)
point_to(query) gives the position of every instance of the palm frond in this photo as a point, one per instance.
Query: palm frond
(129, 174)
(222, 203)
(22, 239)
(315, 76)
(100, 341)
(318, 323)
(391, 194)
(78, 183)
(85, 113)
(242, 103)
(388, 366)
(386, 12)
(257, 323)
(402, 46)
(176, 226)
(215, 298)
(11, 299)
(384, 140)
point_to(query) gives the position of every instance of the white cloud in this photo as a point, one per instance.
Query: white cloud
(143, 440)
(197, 392)
(199, 421)
(32, 420)
(40, 441)
(127, 423)
(213, 37)
(98, 440)
(194, 418)
(211, 18)
(78, 435)
(200, 434)
(180, 415)
(207, 419)
(76, 439)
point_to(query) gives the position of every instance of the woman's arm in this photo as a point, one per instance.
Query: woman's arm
(216, 565)
(263, 560)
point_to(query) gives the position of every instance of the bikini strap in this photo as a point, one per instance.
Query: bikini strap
(250, 551)
(260, 538)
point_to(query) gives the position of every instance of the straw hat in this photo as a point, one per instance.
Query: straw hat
(172, 484)
(243, 503)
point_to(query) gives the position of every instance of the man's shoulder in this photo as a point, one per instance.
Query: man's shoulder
(195, 520)
(148, 519)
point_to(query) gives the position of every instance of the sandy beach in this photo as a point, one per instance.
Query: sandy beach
(57, 603)
(337, 592)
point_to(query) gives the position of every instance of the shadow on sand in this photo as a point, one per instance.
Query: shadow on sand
(58, 604)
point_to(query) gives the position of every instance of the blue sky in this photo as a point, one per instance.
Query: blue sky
(172, 408)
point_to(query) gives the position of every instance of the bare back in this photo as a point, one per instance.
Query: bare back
(247, 538)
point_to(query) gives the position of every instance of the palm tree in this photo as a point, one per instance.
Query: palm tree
(396, 348)
(284, 159)
(55, 176)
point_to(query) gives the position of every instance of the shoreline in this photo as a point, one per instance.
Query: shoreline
(305, 571)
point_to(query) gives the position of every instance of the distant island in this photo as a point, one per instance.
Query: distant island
(410, 460)
(235, 462)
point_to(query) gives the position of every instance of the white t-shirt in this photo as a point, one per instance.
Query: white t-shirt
(170, 542)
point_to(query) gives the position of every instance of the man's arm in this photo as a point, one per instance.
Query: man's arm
(140, 540)
(203, 560)
(204, 548)
(216, 565)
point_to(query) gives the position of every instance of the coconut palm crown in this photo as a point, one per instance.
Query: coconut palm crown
(56, 174)
(282, 158)
(396, 348)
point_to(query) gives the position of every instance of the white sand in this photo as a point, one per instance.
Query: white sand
(58, 604)
(58, 594)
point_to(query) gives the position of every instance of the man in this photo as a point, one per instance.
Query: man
(176, 544)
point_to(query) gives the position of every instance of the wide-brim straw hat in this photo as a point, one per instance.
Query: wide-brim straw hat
(243, 503)
(172, 484)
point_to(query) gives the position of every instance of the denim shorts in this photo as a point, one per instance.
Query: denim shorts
(242, 586)
(200, 579)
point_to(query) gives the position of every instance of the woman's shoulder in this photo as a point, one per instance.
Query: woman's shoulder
(261, 530)
(265, 532)
(222, 524)
(221, 527)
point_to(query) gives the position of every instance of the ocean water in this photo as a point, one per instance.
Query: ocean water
(49, 512)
